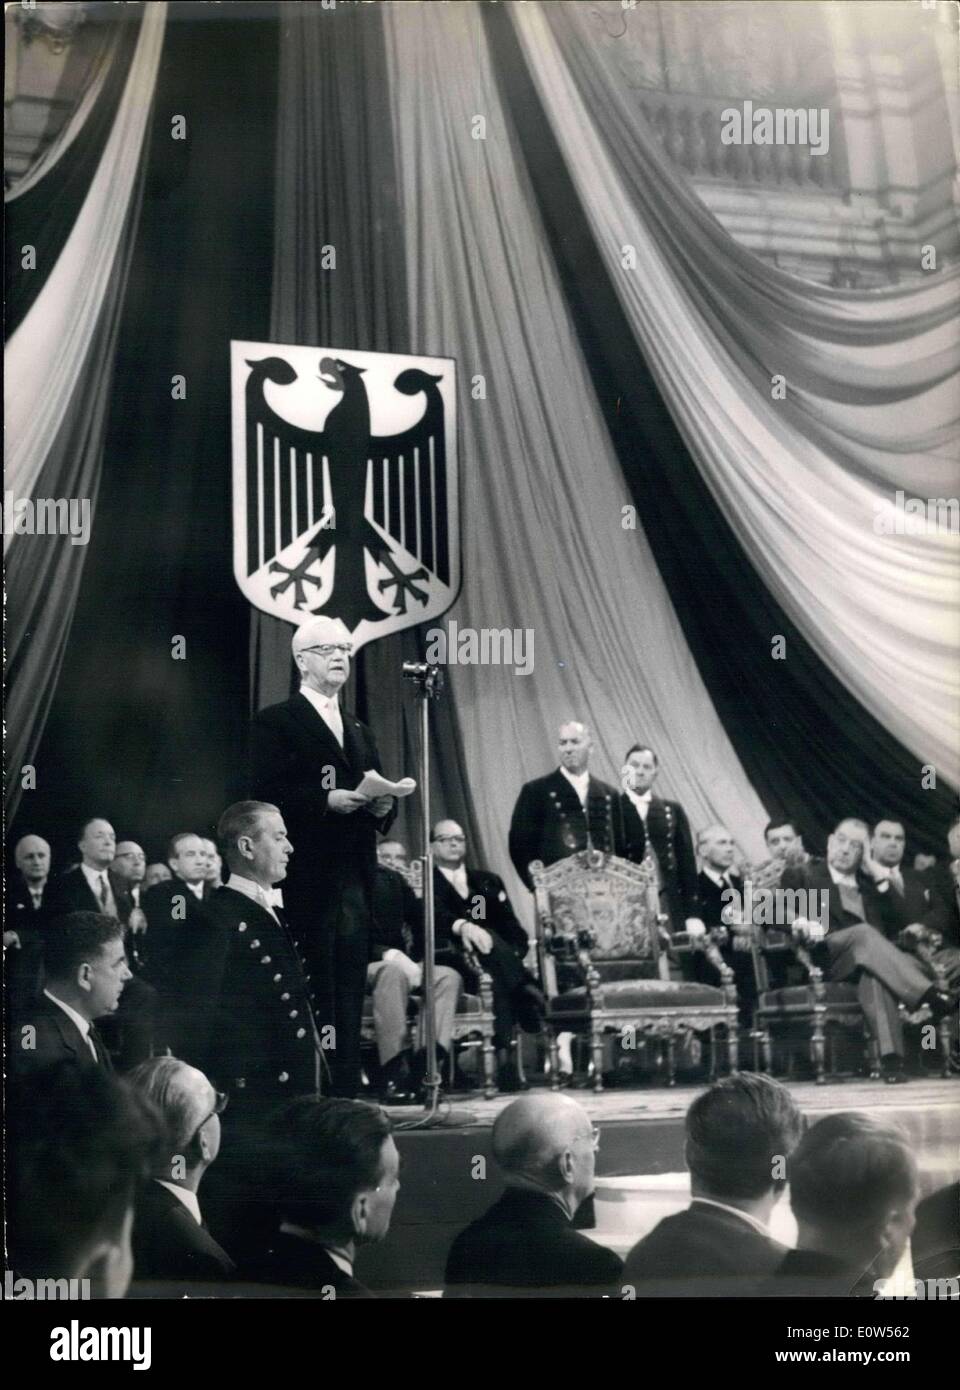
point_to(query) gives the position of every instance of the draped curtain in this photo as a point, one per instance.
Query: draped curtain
(57, 390)
(872, 399)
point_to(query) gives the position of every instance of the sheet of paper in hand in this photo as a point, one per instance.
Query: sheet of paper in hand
(373, 785)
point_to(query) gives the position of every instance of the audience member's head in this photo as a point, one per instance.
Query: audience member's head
(888, 843)
(156, 873)
(129, 862)
(186, 857)
(846, 845)
(254, 841)
(97, 843)
(321, 649)
(716, 848)
(214, 863)
(85, 963)
(782, 839)
(191, 1110)
(853, 1188)
(449, 844)
(922, 862)
(953, 840)
(32, 857)
(640, 770)
(393, 855)
(739, 1135)
(546, 1142)
(337, 1170)
(78, 1142)
(575, 743)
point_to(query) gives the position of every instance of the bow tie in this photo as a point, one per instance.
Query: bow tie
(273, 897)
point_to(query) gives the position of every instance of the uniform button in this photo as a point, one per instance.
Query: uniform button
(294, 1013)
(301, 1032)
(284, 1076)
(254, 945)
(285, 996)
(265, 960)
(277, 979)
(242, 926)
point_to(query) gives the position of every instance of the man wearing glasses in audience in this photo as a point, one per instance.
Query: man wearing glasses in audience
(308, 757)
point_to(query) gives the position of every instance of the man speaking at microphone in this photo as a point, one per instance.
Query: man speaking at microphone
(308, 756)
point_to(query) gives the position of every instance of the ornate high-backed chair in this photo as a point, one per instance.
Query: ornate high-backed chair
(600, 914)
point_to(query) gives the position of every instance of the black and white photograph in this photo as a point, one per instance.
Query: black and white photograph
(481, 523)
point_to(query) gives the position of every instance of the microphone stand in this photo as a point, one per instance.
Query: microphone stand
(429, 683)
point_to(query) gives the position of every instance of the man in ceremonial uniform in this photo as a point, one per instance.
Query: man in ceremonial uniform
(647, 820)
(566, 811)
(308, 757)
(264, 1044)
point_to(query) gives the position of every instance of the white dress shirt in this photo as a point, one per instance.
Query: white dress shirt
(328, 708)
(268, 898)
(82, 1023)
(184, 1195)
(580, 782)
(641, 801)
(721, 877)
(96, 879)
(457, 878)
(197, 890)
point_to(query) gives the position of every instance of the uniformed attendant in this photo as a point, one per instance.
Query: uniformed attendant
(264, 1040)
(566, 811)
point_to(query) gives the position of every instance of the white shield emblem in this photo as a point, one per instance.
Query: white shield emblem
(345, 485)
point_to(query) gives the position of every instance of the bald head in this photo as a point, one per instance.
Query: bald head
(32, 858)
(575, 744)
(546, 1141)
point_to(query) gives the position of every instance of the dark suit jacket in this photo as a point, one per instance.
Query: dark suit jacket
(294, 756)
(23, 964)
(55, 1038)
(669, 834)
(259, 999)
(815, 877)
(72, 893)
(549, 823)
(183, 951)
(292, 1263)
(701, 1252)
(710, 899)
(526, 1246)
(397, 916)
(812, 1274)
(169, 1246)
(944, 911)
(487, 904)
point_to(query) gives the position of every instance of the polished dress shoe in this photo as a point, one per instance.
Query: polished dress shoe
(395, 1083)
(893, 1071)
(939, 1002)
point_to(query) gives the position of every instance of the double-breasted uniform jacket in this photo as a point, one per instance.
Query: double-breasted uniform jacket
(667, 830)
(549, 823)
(263, 1041)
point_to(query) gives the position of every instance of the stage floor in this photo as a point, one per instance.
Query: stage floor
(641, 1175)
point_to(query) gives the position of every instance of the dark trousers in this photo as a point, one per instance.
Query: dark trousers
(335, 938)
(508, 974)
(884, 975)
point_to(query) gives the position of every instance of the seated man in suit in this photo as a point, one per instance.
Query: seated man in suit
(720, 1246)
(853, 942)
(171, 1244)
(525, 1245)
(853, 1190)
(720, 905)
(182, 949)
(564, 812)
(944, 880)
(472, 909)
(23, 921)
(263, 1044)
(85, 970)
(394, 970)
(78, 1142)
(333, 1170)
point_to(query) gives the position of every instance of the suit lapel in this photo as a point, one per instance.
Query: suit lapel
(307, 717)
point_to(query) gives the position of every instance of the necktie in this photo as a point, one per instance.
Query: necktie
(896, 878)
(104, 892)
(99, 1051)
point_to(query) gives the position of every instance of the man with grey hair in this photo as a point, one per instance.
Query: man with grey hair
(526, 1244)
(171, 1245)
(309, 756)
(23, 923)
(566, 811)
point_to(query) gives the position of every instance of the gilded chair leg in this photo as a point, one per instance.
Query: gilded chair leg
(596, 1047)
(817, 1049)
(518, 1054)
(733, 1047)
(671, 1061)
(489, 1068)
(714, 1065)
(943, 1034)
(873, 1054)
(553, 1052)
(766, 1051)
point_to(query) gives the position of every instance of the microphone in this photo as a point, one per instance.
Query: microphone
(429, 678)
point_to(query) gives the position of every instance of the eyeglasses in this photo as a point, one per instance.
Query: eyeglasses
(328, 648)
(594, 1137)
(450, 839)
(222, 1100)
